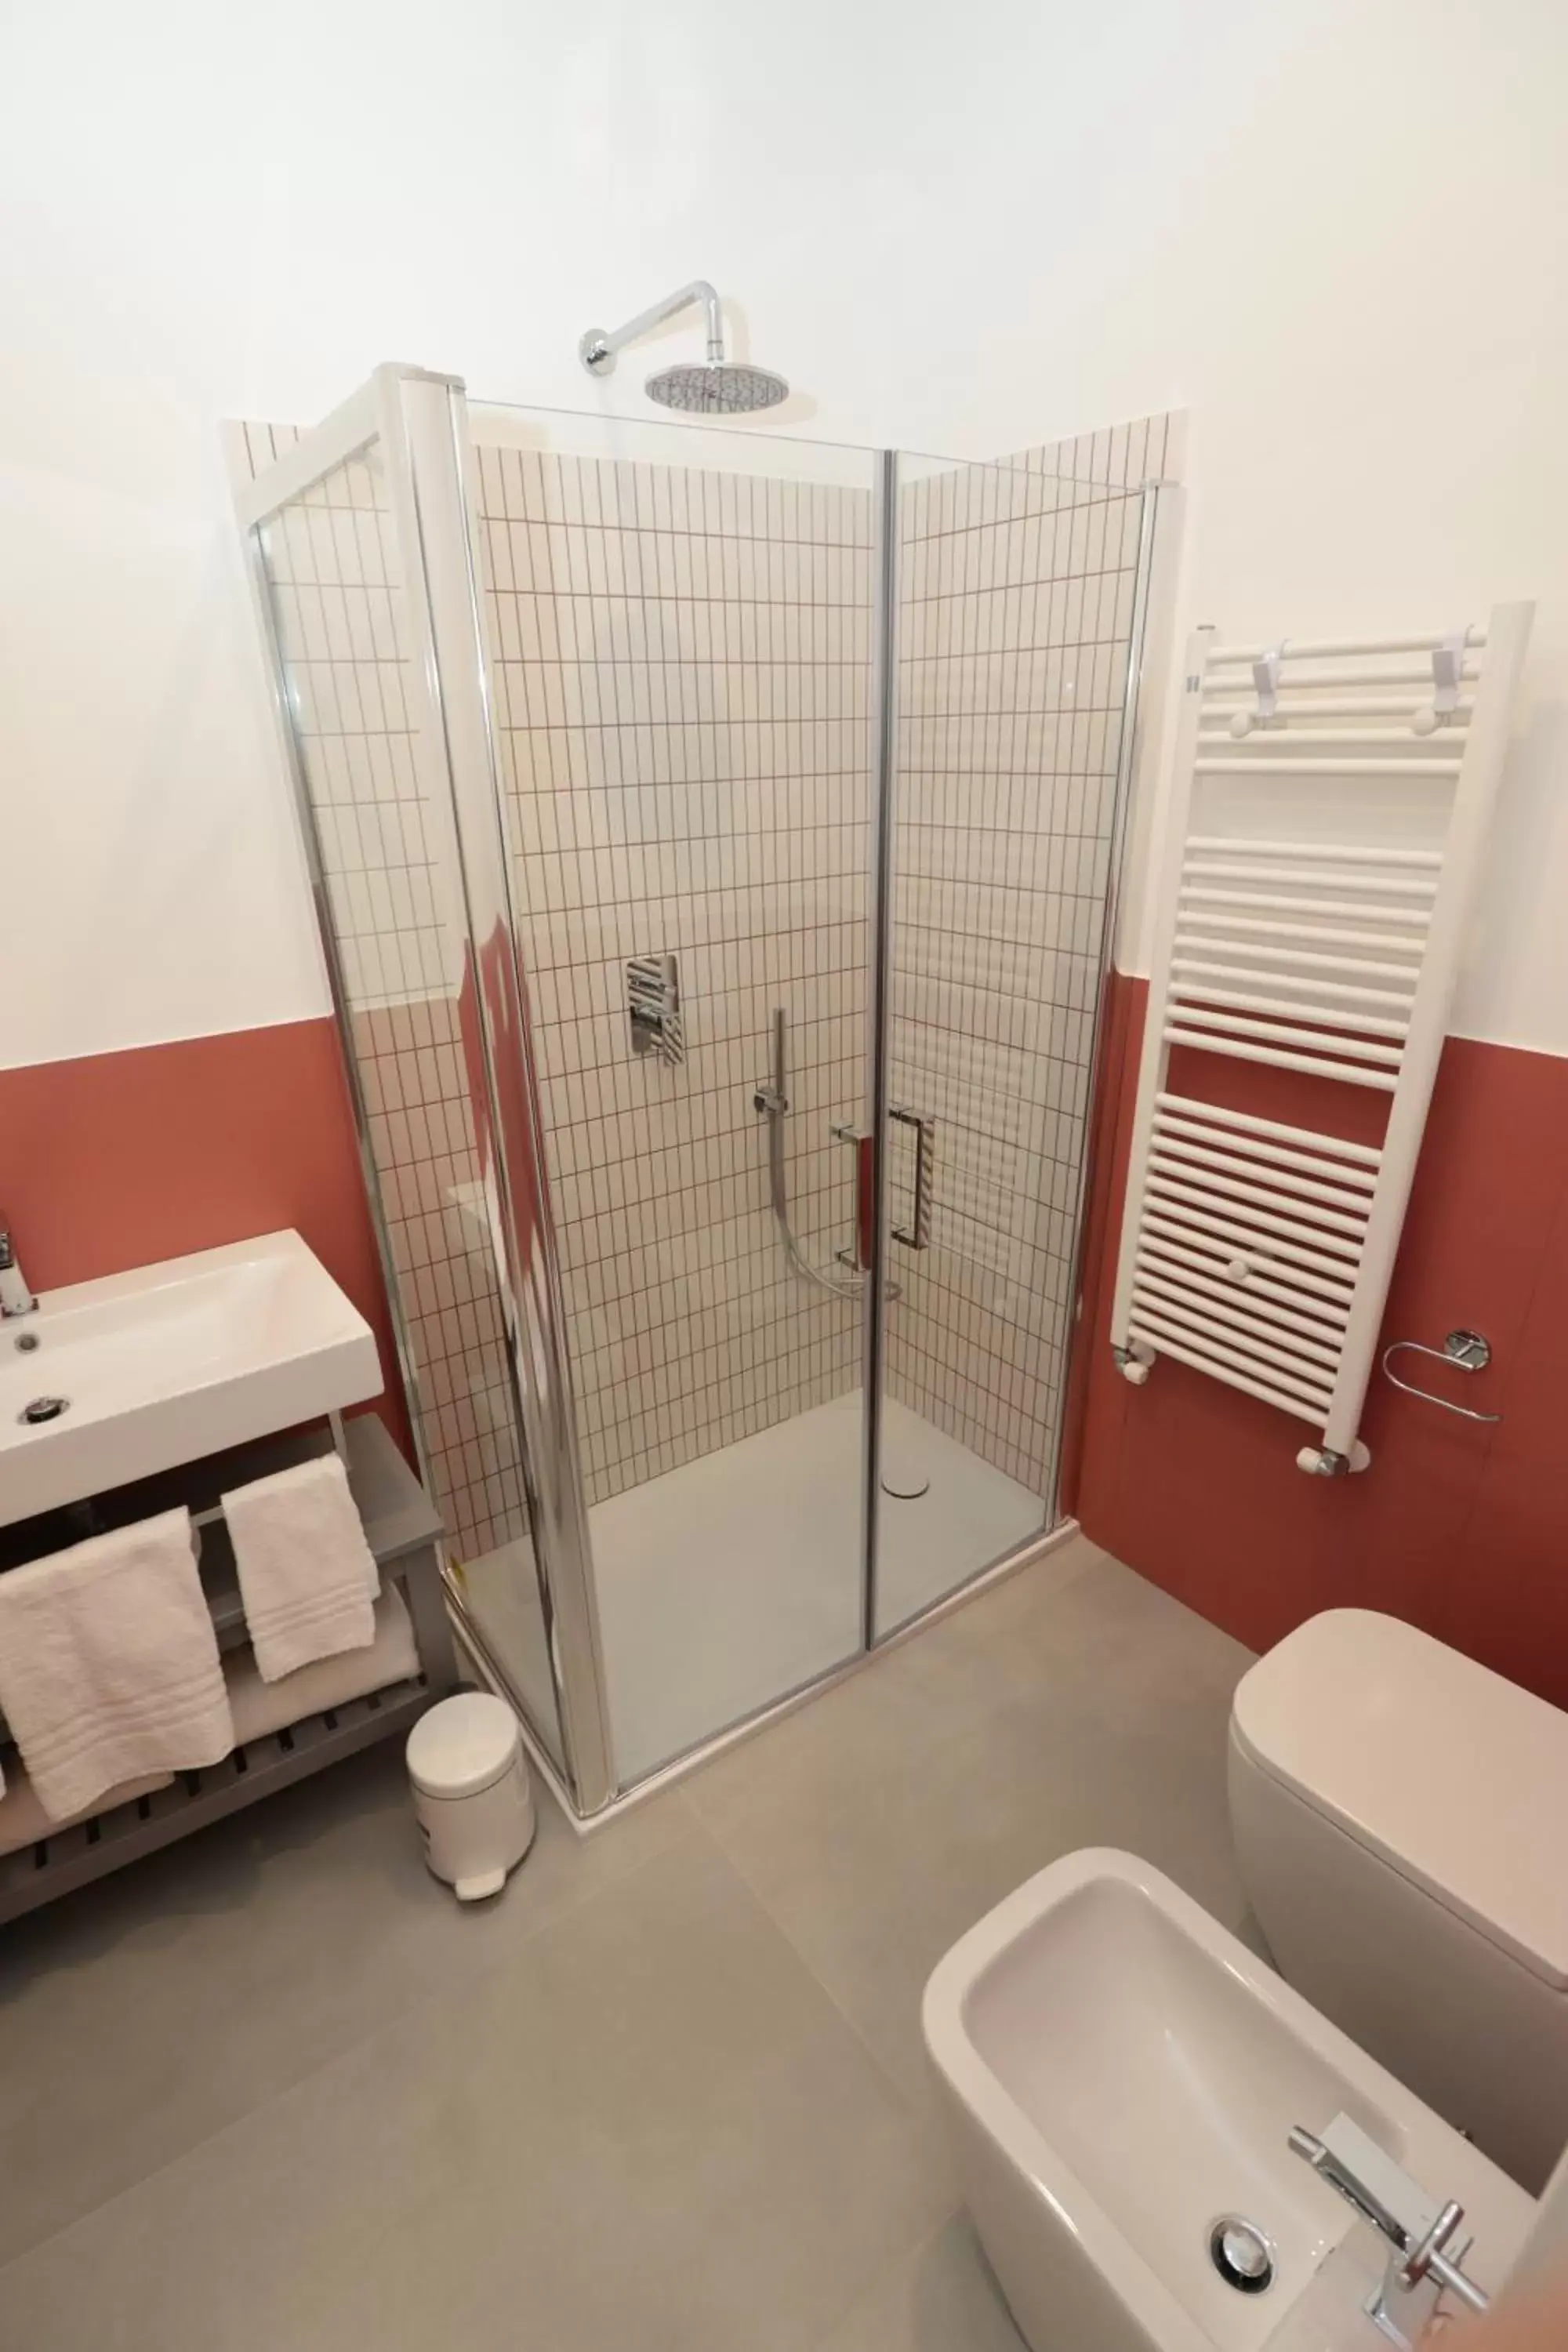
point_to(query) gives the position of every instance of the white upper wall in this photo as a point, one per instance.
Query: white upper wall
(1333, 232)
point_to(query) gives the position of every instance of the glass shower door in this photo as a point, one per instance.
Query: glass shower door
(354, 577)
(1019, 618)
(680, 620)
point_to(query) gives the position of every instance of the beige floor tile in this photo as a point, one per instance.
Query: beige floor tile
(880, 1823)
(275, 2088)
(940, 2298)
(646, 2127)
(141, 2014)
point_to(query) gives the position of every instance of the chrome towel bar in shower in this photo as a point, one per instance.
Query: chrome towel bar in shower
(916, 1234)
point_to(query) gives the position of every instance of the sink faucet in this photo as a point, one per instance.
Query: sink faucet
(1422, 2261)
(16, 1298)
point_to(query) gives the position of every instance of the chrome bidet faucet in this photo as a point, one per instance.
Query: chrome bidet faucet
(1423, 2260)
(16, 1298)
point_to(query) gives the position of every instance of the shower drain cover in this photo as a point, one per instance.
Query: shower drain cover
(1242, 2255)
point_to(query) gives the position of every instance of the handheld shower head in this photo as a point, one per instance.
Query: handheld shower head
(716, 387)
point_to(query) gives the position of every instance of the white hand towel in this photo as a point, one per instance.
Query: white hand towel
(307, 1576)
(260, 1707)
(108, 1665)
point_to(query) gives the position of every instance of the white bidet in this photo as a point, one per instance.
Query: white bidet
(1121, 2077)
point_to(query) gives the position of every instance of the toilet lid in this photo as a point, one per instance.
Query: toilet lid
(1458, 1777)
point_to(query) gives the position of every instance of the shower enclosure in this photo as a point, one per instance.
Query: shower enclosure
(714, 839)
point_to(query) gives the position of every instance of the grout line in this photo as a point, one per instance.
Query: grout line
(736, 1869)
(909, 1637)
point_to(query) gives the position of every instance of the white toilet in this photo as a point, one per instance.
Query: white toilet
(1401, 1823)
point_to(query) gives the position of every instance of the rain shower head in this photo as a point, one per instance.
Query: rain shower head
(714, 387)
(717, 388)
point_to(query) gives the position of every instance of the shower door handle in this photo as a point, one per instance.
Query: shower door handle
(864, 1201)
(857, 1257)
(916, 1234)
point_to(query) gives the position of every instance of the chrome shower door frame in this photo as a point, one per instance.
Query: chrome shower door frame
(417, 421)
(886, 549)
(1159, 520)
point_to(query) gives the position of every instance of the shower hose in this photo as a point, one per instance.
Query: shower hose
(771, 1098)
(845, 1286)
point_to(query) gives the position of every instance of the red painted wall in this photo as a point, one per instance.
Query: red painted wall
(118, 1158)
(1457, 1527)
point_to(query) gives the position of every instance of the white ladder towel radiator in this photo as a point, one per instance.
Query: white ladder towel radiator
(1328, 816)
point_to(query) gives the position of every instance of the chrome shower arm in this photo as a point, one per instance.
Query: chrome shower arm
(597, 348)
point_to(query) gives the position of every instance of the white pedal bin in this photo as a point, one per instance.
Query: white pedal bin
(471, 1796)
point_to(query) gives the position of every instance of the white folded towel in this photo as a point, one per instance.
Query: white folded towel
(260, 1707)
(307, 1576)
(108, 1665)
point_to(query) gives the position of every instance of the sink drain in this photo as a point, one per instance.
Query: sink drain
(1242, 2255)
(44, 1409)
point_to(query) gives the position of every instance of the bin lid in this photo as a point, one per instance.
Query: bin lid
(1458, 1777)
(462, 1745)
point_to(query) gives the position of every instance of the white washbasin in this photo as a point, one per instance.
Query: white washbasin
(1119, 2073)
(171, 1361)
